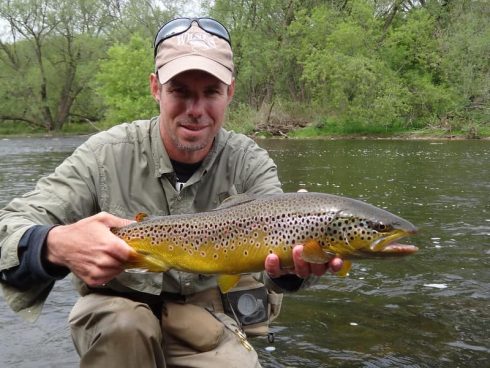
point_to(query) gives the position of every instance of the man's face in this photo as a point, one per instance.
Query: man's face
(192, 111)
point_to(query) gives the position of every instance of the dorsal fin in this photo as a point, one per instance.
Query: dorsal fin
(141, 216)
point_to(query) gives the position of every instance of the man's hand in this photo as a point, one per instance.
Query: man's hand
(89, 249)
(301, 268)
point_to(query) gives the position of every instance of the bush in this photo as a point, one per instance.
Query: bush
(123, 82)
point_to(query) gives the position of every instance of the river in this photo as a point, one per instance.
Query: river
(428, 310)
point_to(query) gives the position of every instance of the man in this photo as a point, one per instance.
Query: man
(180, 162)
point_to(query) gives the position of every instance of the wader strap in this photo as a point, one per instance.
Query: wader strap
(228, 307)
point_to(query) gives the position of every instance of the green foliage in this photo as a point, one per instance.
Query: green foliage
(257, 29)
(123, 81)
(411, 49)
(465, 49)
(242, 119)
(346, 128)
(18, 128)
(343, 66)
(48, 60)
(344, 75)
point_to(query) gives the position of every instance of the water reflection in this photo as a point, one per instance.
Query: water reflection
(428, 310)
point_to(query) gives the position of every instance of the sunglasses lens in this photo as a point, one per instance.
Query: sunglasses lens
(214, 27)
(180, 25)
(172, 28)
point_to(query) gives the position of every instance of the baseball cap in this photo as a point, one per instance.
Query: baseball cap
(194, 49)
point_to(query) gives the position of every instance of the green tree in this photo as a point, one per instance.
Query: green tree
(411, 49)
(372, 62)
(49, 59)
(347, 78)
(46, 63)
(464, 42)
(123, 81)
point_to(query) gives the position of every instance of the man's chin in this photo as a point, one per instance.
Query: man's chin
(192, 145)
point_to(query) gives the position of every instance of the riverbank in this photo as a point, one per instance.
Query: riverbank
(421, 134)
(407, 136)
(298, 132)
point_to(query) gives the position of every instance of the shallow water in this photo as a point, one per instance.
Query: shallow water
(428, 310)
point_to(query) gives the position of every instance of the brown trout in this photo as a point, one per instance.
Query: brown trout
(237, 237)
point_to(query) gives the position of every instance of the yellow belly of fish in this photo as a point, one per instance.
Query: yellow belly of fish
(237, 257)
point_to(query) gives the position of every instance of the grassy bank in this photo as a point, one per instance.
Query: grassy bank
(301, 121)
(471, 132)
(19, 129)
(288, 122)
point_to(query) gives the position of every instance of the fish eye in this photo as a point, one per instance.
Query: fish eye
(380, 227)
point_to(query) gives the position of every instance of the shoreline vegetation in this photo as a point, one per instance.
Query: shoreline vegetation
(304, 69)
(278, 130)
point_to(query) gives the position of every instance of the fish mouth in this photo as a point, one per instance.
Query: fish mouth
(388, 245)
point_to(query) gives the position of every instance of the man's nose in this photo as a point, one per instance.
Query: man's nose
(195, 106)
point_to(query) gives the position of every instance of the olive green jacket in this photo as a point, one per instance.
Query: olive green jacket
(124, 171)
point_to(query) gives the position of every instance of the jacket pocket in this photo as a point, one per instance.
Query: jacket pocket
(193, 325)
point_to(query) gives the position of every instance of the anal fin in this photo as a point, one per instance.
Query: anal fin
(227, 282)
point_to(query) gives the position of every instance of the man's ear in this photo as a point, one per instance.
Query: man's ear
(155, 87)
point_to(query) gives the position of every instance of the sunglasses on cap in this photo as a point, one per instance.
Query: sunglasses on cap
(181, 25)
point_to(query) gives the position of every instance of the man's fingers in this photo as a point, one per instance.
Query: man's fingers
(301, 267)
(335, 264)
(120, 250)
(318, 269)
(272, 266)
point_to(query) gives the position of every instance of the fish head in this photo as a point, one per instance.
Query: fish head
(368, 231)
(384, 237)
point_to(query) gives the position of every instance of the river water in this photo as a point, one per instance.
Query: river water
(428, 310)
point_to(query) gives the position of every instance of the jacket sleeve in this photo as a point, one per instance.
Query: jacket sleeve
(65, 196)
(259, 172)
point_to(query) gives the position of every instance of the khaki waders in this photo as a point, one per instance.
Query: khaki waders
(112, 331)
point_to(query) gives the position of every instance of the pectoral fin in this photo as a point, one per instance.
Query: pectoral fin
(144, 260)
(227, 282)
(313, 252)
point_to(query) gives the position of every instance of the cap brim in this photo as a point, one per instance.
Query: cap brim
(194, 62)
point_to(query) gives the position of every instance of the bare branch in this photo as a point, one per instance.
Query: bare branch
(22, 118)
